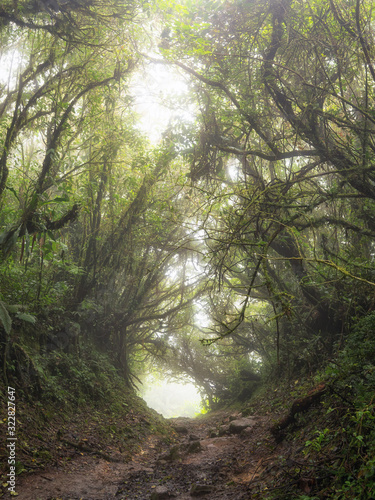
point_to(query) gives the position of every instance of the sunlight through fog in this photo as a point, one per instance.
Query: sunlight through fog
(171, 399)
(160, 97)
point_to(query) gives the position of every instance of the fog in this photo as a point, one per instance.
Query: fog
(171, 399)
(160, 98)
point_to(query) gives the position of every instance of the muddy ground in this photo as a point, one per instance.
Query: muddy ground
(221, 456)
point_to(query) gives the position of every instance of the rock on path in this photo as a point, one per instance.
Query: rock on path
(204, 462)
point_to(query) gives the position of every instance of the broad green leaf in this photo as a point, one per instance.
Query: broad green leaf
(29, 318)
(5, 318)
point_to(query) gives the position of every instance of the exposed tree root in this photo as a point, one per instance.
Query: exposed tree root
(298, 406)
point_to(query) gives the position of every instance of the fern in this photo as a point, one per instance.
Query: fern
(5, 318)
(26, 317)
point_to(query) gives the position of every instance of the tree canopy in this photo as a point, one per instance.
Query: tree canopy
(284, 147)
(243, 239)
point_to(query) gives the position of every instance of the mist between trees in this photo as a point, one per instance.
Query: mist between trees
(241, 244)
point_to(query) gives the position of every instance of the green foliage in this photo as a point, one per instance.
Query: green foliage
(242, 242)
(291, 234)
(5, 318)
(75, 379)
(321, 439)
(349, 442)
(29, 318)
(359, 350)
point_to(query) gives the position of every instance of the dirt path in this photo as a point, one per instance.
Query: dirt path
(216, 457)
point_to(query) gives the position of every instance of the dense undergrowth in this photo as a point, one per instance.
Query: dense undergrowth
(249, 223)
(78, 403)
(69, 404)
(327, 449)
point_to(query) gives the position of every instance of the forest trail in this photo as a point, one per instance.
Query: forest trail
(219, 456)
